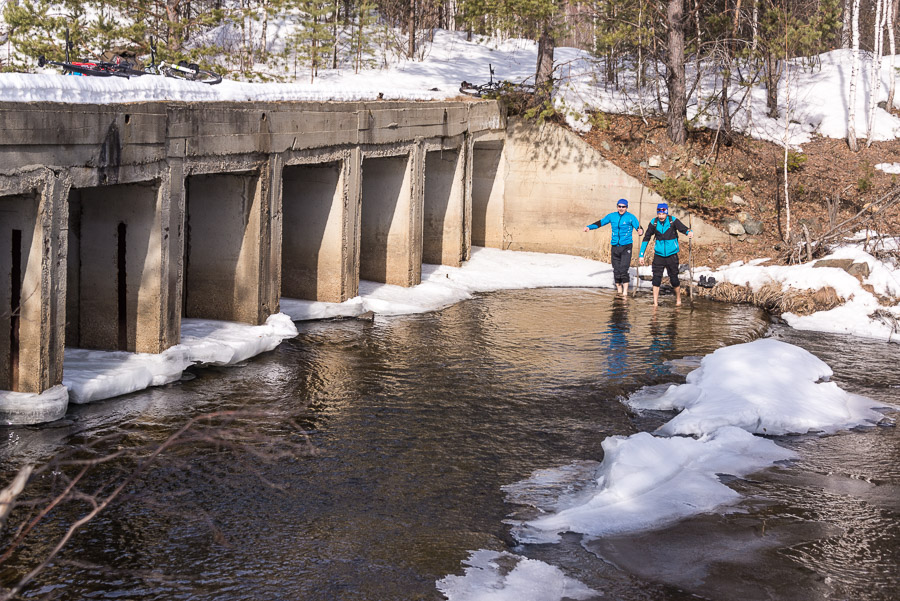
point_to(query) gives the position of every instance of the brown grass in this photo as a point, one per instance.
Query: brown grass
(776, 300)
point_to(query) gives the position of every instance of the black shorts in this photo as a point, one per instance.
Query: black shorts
(669, 264)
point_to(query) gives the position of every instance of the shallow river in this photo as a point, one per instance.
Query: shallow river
(418, 421)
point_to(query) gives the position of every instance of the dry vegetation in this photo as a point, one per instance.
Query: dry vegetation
(831, 185)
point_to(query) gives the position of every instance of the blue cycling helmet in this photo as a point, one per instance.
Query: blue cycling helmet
(662, 207)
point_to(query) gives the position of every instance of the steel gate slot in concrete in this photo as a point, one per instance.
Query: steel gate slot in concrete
(114, 268)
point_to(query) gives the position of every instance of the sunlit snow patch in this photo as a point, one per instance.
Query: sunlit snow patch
(765, 386)
(488, 270)
(94, 375)
(647, 482)
(501, 576)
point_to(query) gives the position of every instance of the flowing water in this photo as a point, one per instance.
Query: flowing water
(417, 422)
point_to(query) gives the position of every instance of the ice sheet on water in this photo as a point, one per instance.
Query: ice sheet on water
(765, 386)
(646, 482)
(502, 576)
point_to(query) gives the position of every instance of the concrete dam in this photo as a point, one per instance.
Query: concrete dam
(117, 221)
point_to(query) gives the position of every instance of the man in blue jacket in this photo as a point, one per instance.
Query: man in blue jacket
(622, 223)
(665, 250)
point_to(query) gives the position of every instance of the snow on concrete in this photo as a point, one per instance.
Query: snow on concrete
(813, 92)
(489, 269)
(94, 375)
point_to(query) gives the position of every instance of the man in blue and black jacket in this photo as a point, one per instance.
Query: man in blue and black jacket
(665, 250)
(622, 223)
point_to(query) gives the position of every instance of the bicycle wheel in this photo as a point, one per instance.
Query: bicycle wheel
(207, 77)
(199, 75)
(470, 89)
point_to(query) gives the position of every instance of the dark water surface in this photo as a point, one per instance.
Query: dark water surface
(418, 421)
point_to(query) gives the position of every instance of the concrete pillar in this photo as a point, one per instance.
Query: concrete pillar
(443, 236)
(32, 295)
(233, 233)
(391, 220)
(314, 241)
(488, 190)
(352, 175)
(172, 219)
(119, 275)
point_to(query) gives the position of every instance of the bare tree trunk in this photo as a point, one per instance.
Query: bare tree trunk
(755, 25)
(880, 17)
(411, 26)
(854, 76)
(675, 77)
(846, 31)
(172, 19)
(891, 19)
(265, 26)
(544, 70)
(334, 31)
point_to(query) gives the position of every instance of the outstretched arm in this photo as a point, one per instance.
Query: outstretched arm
(683, 228)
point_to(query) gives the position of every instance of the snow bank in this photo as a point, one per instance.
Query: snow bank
(95, 375)
(26, 408)
(501, 576)
(646, 482)
(488, 270)
(854, 317)
(766, 387)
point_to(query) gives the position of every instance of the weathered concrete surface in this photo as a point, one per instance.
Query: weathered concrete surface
(122, 219)
(391, 222)
(444, 207)
(555, 184)
(315, 204)
(489, 174)
(33, 261)
(178, 209)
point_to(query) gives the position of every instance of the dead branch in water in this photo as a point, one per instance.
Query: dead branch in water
(88, 478)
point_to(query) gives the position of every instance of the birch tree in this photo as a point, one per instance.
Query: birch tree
(854, 77)
(875, 68)
(892, 11)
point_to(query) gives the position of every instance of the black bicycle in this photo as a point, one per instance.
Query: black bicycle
(493, 89)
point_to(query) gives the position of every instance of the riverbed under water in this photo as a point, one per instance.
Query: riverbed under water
(418, 421)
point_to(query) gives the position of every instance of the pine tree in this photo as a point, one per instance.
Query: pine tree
(362, 42)
(313, 40)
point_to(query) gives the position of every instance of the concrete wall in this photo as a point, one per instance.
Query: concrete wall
(390, 248)
(314, 203)
(33, 228)
(489, 174)
(556, 184)
(443, 236)
(222, 247)
(106, 310)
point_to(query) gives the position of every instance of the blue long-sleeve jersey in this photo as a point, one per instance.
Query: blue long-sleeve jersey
(666, 232)
(622, 226)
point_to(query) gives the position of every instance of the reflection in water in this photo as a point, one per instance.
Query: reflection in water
(418, 422)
